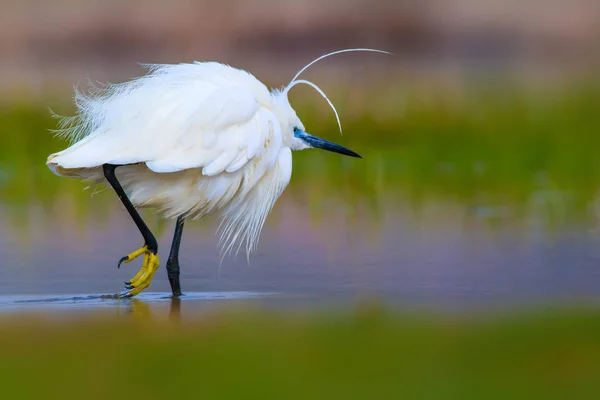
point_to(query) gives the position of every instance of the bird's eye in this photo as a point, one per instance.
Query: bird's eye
(296, 130)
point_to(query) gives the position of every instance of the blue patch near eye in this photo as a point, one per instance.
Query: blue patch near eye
(297, 132)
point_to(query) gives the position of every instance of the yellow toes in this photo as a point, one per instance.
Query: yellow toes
(141, 272)
(149, 267)
(132, 256)
(143, 278)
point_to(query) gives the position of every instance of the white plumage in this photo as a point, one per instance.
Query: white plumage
(192, 139)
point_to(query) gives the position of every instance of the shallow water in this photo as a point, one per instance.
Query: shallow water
(439, 258)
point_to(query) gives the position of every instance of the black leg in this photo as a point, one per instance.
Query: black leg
(173, 261)
(149, 240)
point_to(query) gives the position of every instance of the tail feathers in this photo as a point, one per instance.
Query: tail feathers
(92, 152)
(93, 174)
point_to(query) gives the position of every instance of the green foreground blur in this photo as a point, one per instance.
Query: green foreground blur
(364, 354)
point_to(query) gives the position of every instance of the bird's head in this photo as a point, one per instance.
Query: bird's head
(295, 136)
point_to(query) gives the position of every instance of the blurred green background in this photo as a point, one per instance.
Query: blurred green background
(471, 224)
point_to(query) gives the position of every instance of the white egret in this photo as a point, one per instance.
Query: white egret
(191, 140)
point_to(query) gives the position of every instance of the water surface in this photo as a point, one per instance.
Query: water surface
(438, 258)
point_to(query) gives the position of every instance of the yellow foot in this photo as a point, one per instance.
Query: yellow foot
(143, 278)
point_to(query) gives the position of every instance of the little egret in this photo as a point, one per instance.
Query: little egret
(190, 140)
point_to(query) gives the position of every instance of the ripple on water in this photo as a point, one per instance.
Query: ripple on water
(70, 301)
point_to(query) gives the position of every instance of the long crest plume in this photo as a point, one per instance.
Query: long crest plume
(295, 81)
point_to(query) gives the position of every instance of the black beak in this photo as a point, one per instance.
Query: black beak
(319, 143)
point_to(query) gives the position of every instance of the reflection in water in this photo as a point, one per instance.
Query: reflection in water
(139, 310)
(175, 309)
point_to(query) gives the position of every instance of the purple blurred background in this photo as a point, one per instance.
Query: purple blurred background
(44, 45)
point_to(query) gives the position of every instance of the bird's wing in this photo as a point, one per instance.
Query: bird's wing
(212, 117)
(223, 134)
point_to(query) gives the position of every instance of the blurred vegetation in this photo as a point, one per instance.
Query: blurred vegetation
(365, 353)
(487, 148)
